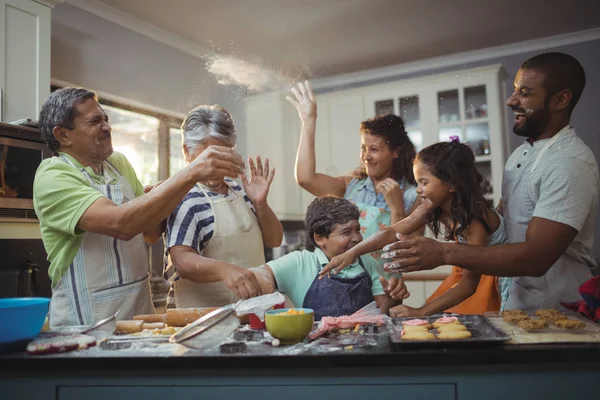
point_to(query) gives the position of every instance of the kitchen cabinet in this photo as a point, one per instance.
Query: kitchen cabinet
(24, 59)
(273, 131)
(465, 103)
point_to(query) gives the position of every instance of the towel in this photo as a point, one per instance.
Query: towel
(589, 307)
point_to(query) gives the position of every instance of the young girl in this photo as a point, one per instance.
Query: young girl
(452, 193)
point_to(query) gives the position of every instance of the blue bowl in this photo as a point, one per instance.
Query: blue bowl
(22, 318)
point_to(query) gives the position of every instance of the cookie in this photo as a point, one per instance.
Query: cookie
(512, 312)
(417, 322)
(454, 334)
(532, 324)
(543, 311)
(418, 335)
(414, 328)
(551, 318)
(570, 324)
(452, 327)
(515, 318)
(445, 321)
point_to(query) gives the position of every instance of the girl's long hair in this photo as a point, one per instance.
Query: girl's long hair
(454, 163)
(391, 128)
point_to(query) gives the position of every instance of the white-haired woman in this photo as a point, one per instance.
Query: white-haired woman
(219, 229)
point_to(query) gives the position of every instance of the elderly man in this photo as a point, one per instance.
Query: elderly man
(550, 196)
(94, 215)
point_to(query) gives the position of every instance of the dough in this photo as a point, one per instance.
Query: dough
(129, 326)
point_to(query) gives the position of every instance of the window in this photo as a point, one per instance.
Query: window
(176, 158)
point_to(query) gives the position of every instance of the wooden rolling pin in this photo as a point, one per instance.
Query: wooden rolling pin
(183, 316)
(151, 318)
(129, 326)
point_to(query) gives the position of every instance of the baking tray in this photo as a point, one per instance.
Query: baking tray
(484, 333)
(514, 329)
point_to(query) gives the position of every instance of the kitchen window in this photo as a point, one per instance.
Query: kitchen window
(151, 141)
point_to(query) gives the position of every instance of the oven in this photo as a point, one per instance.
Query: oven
(22, 149)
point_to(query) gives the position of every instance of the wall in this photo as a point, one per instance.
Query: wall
(99, 55)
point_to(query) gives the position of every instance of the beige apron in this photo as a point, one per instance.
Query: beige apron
(237, 239)
(107, 274)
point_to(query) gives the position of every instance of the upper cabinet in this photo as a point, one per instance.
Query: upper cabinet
(24, 59)
(468, 104)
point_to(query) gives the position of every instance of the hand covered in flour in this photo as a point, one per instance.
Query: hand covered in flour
(413, 253)
(216, 163)
(395, 288)
(257, 188)
(405, 311)
(338, 263)
(304, 101)
(392, 193)
(240, 281)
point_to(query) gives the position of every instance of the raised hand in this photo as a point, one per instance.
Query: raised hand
(304, 101)
(257, 188)
(392, 193)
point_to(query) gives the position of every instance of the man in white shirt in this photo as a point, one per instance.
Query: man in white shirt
(550, 194)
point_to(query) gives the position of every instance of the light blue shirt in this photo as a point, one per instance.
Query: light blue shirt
(363, 191)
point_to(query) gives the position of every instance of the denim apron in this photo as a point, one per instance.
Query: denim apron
(334, 296)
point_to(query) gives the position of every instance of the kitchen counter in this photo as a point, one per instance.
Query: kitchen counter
(301, 372)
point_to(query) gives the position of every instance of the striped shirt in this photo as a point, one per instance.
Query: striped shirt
(192, 224)
(564, 187)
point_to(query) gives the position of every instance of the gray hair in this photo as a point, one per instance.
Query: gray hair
(60, 110)
(206, 121)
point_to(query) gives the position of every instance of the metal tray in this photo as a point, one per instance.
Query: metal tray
(590, 327)
(483, 332)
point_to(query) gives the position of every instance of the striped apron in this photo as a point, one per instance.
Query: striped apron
(107, 274)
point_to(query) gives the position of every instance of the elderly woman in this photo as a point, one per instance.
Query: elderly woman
(219, 229)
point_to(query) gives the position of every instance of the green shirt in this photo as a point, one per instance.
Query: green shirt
(61, 194)
(296, 271)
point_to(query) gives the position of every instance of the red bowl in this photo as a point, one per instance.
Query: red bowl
(256, 323)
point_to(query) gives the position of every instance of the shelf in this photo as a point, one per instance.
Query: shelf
(475, 120)
(485, 158)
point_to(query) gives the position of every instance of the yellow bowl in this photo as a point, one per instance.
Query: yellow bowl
(289, 328)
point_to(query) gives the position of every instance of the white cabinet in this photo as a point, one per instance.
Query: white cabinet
(465, 103)
(24, 59)
(273, 131)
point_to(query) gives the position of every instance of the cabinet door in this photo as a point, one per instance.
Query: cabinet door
(24, 58)
(272, 132)
(346, 112)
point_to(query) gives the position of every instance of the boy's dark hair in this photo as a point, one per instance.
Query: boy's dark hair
(454, 164)
(325, 212)
(391, 128)
(561, 71)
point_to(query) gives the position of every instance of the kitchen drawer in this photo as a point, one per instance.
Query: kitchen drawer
(445, 391)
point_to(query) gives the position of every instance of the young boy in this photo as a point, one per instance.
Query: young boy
(332, 226)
